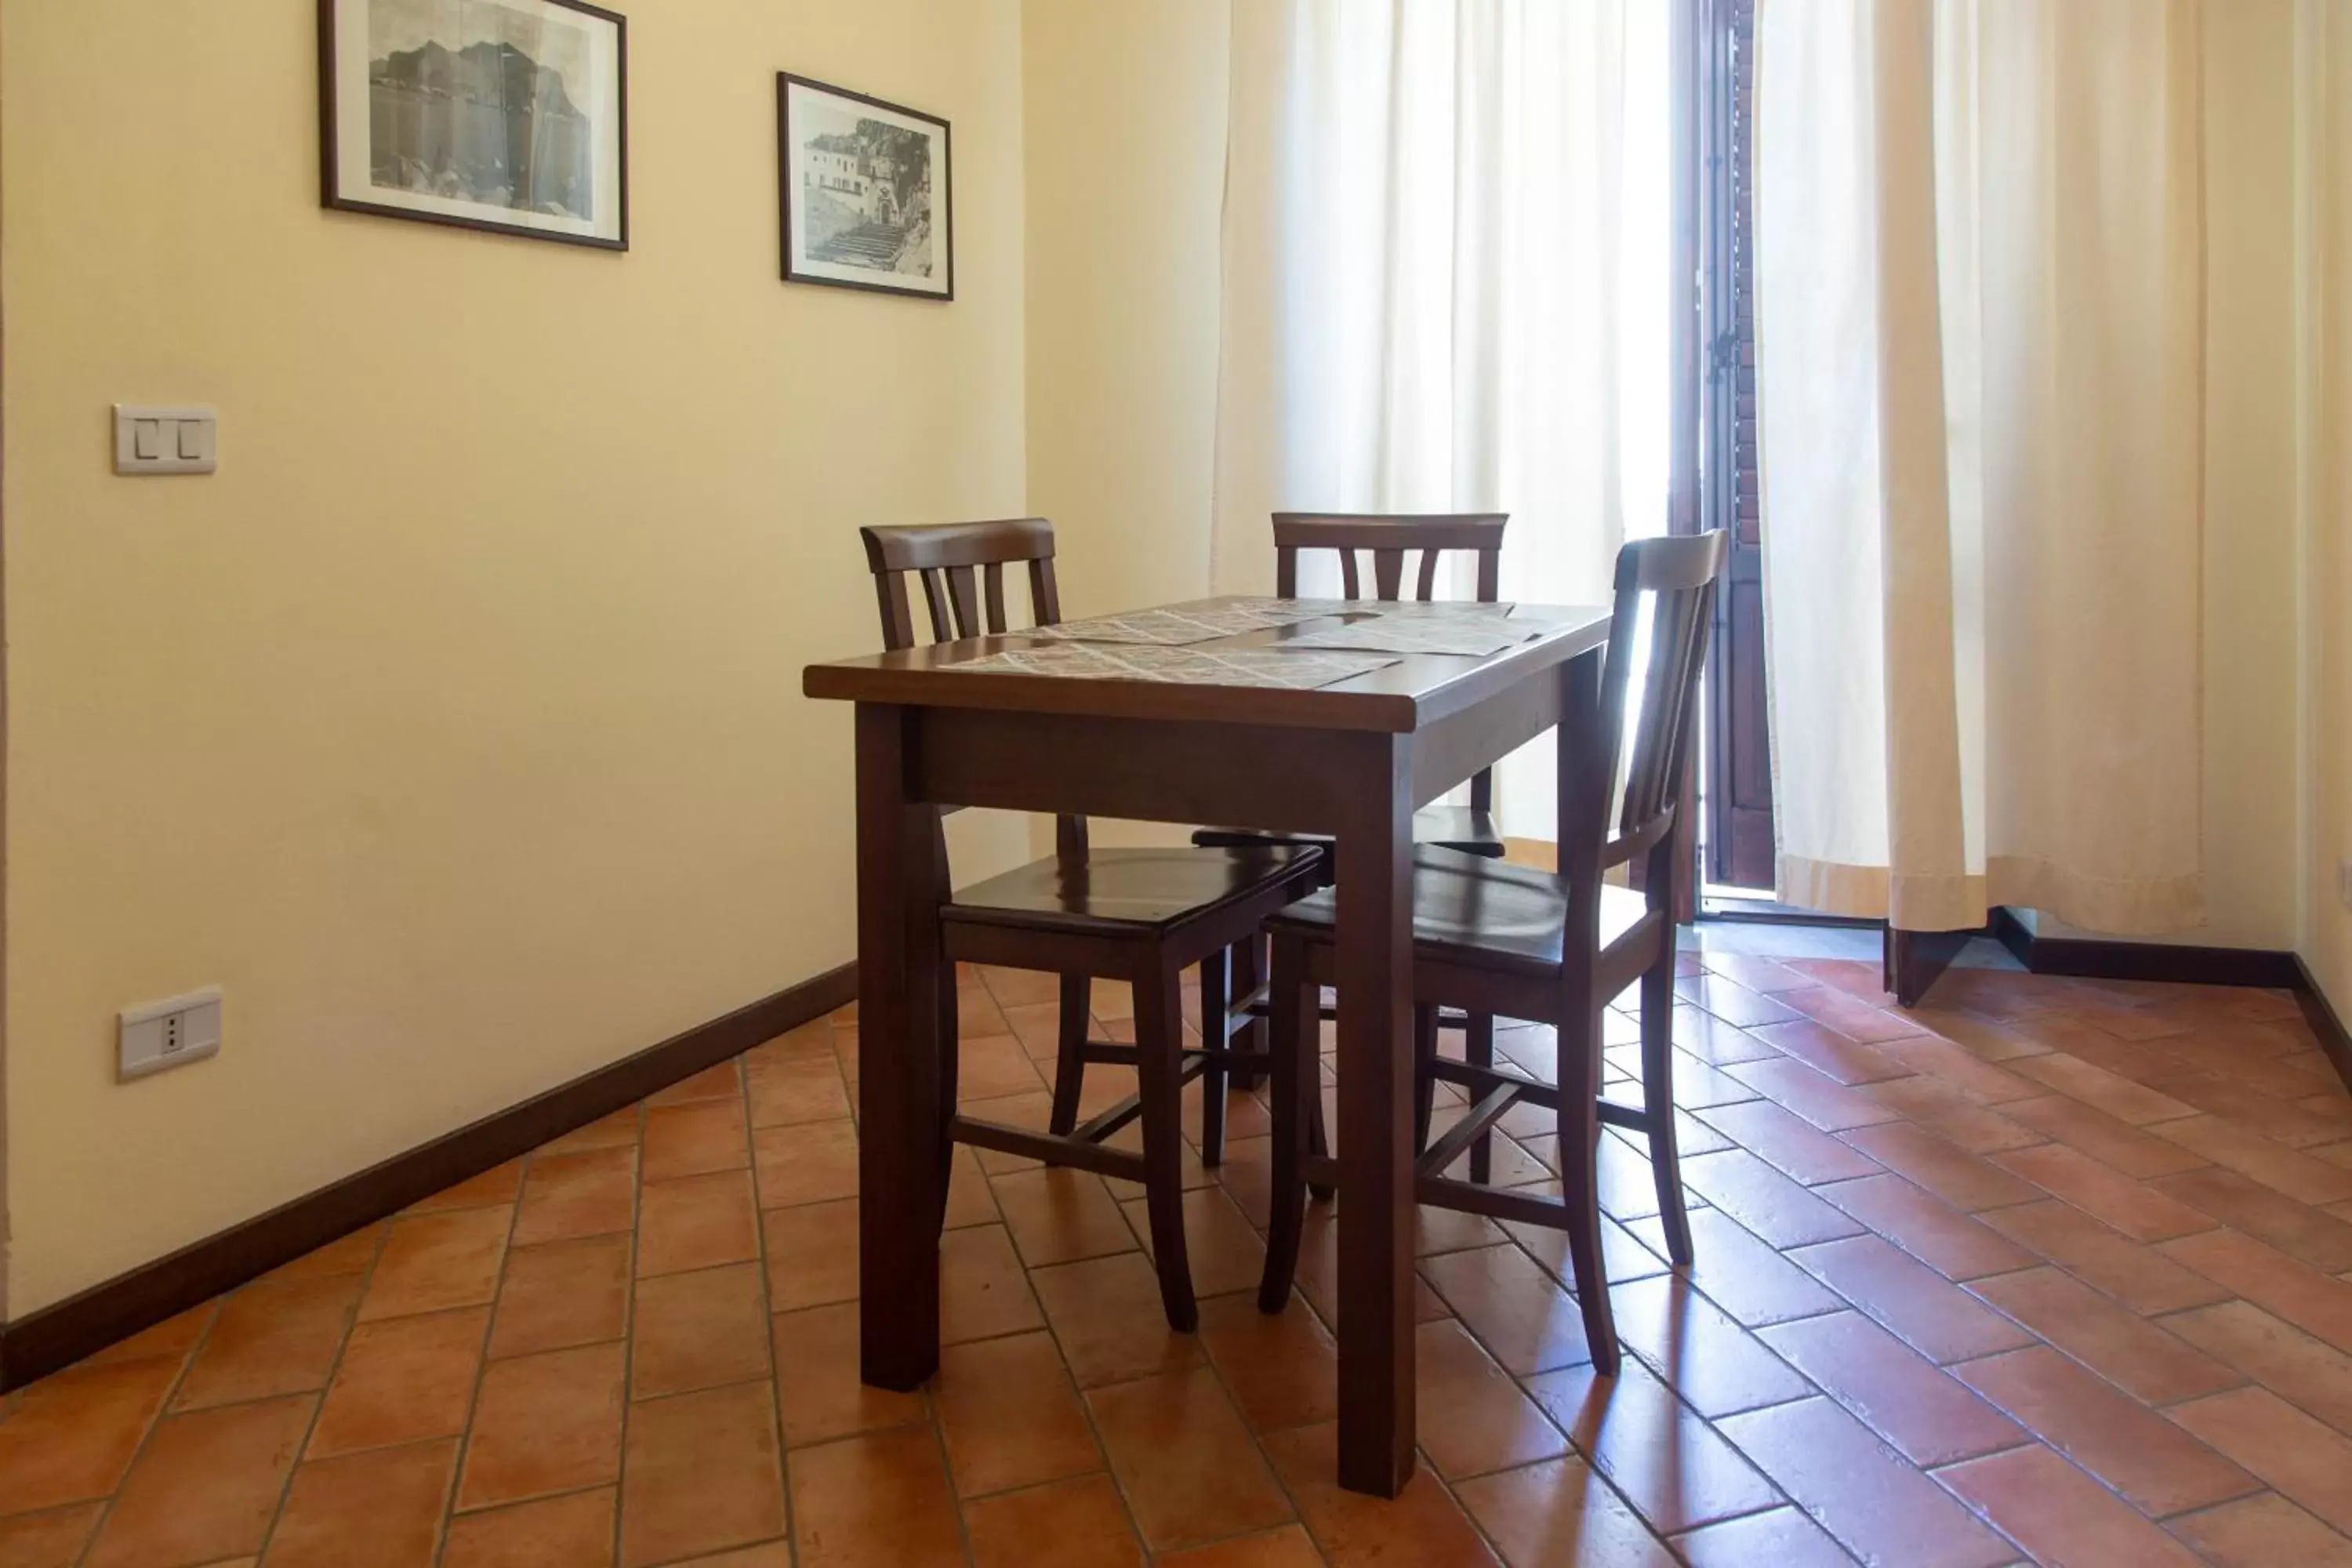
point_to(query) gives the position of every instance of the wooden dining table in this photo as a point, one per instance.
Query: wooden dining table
(1110, 733)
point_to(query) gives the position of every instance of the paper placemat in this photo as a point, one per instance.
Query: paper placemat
(1176, 666)
(1409, 634)
(1204, 621)
(1403, 609)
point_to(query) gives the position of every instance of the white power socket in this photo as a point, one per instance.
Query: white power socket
(166, 1034)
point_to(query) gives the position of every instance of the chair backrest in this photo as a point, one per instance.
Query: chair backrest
(1388, 536)
(943, 556)
(1679, 574)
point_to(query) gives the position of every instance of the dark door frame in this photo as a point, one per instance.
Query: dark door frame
(1741, 849)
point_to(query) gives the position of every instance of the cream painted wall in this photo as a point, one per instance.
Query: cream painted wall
(1125, 153)
(1124, 150)
(454, 726)
(2324, 293)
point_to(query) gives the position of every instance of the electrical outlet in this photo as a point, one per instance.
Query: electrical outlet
(2344, 882)
(166, 1034)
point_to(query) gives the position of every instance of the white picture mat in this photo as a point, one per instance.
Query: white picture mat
(600, 99)
(797, 96)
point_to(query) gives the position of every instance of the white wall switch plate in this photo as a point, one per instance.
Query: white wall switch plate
(2344, 882)
(165, 1034)
(154, 439)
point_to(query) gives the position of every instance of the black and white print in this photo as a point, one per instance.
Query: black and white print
(865, 190)
(494, 113)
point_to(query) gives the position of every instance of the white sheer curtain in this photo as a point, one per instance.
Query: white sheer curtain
(1445, 285)
(1980, 350)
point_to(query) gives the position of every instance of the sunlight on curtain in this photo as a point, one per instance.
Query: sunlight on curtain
(1979, 286)
(1445, 253)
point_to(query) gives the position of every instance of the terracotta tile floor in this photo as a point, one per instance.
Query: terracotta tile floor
(2044, 1269)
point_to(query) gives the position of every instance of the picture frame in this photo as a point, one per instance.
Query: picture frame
(504, 116)
(866, 191)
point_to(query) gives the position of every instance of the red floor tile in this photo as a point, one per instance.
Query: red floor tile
(2133, 1449)
(2058, 1514)
(458, 1378)
(2301, 1459)
(1077, 1523)
(1422, 1524)
(1557, 1511)
(1925, 1414)
(2135, 1355)
(1956, 1244)
(1911, 1301)
(1669, 1463)
(1881, 1509)
(702, 1473)
(1716, 1366)
(206, 1486)
(1185, 1460)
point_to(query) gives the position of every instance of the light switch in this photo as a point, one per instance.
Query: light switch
(180, 440)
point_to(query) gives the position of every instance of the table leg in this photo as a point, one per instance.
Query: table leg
(904, 1005)
(1374, 970)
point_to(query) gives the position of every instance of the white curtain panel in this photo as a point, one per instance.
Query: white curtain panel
(1445, 281)
(1979, 296)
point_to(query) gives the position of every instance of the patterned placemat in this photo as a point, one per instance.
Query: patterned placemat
(1469, 610)
(1420, 634)
(1178, 666)
(1204, 620)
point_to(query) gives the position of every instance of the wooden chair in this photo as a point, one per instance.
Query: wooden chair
(1138, 915)
(1389, 536)
(1554, 949)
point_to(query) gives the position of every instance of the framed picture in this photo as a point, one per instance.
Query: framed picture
(508, 115)
(867, 191)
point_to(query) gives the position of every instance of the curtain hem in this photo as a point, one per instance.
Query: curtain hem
(2133, 907)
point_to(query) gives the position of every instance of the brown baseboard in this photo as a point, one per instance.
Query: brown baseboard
(2083, 959)
(59, 1335)
(2263, 967)
(2320, 1016)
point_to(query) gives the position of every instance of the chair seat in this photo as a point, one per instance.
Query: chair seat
(1129, 892)
(1448, 827)
(1483, 913)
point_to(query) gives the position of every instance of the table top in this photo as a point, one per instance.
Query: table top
(1377, 690)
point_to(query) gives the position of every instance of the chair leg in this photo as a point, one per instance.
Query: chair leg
(950, 1062)
(1159, 1077)
(1296, 1069)
(1478, 1051)
(1658, 1102)
(1425, 1083)
(1252, 1035)
(1579, 1180)
(1318, 1141)
(1215, 999)
(1310, 1044)
(1070, 1064)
